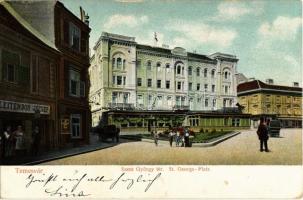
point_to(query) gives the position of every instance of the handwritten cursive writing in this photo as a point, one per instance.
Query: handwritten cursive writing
(72, 186)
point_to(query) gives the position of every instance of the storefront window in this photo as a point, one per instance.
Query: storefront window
(75, 125)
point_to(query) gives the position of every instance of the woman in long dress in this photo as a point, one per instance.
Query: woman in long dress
(19, 135)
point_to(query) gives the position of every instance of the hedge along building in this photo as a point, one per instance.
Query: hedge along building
(28, 65)
(68, 77)
(128, 75)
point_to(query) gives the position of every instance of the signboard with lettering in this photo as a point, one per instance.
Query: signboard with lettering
(11, 106)
(65, 125)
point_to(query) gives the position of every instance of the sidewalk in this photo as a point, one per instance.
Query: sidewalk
(60, 153)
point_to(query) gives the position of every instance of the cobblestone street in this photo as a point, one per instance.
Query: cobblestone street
(242, 149)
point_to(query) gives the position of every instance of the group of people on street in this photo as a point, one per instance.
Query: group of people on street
(262, 133)
(12, 142)
(181, 140)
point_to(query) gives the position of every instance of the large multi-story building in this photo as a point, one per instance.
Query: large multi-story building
(44, 61)
(128, 75)
(266, 99)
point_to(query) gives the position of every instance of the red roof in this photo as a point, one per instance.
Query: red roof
(259, 85)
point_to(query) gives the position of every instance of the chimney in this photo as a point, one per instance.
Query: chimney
(295, 84)
(269, 81)
(84, 16)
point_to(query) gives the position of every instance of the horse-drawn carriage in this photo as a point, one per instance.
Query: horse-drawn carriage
(108, 132)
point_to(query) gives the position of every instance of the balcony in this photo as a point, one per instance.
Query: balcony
(121, 106)
(180, 107)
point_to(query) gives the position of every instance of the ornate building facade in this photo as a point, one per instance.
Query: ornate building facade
(263, 99)
(126, 75)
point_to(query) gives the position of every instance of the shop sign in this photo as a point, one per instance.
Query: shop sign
(65, 125)
(11, 106)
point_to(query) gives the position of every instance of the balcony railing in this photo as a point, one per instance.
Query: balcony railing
(181, 107)
(121, 106)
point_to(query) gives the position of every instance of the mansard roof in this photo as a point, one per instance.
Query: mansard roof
(258, 86)
(156, 49)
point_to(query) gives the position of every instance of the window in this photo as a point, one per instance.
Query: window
(167, 66)
(75, 125)
(190, 70)
(140, 99)
(205, 87)
(149, 82)
(119, 63)
(224, 102)
(11, 73)
(124, 64)
(199, 99)
(158, 83)
(159, 66)
(114, 80)
(148, 65)
(169, 101)
(150, 99)
(182, 70)
(214, 103)
(34, 74)
(76, 87)
(206, 103)
(198, 71)
(125, 98)
(114, 97)
(167, 84)
(74, 36)
(213, 73)
(119, 80)
(114, 62)
(235, 122)
(124, 80)
(10, 62)
(225, 89)
(139, 81)
(190, 86)
(198, 86)
(226, 75)
(178, 69)
(213, 87)
(179, 85)
(205, 72)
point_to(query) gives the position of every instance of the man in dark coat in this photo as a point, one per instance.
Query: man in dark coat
(263, 134)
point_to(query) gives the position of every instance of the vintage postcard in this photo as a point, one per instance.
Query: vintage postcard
(151, 99)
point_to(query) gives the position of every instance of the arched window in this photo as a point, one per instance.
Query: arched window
(190, 70)
(205, 72)
(114, 62)
(167, 66)
(179, 69)
(119, 62)
(213, 73)
(148, 64)
(124, 62)
(226, 75)
(198, 71)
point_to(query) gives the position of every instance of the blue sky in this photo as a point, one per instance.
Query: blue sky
(264, 35)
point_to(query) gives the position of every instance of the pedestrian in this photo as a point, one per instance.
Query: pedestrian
(8, 142)
(19, 136)
(177, 138)
(186, 138)
(263, 134)
(156, 138)
(171, 137)
(36, 137)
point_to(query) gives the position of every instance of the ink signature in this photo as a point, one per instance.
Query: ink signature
(59, 186)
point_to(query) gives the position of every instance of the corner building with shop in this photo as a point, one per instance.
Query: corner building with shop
(126, 75)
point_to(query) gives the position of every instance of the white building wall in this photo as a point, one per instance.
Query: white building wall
(103, 74)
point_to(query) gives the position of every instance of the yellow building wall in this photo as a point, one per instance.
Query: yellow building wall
(282, 105)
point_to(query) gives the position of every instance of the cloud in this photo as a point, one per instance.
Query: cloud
(198, 33)
(125, 20)
(282, 28)
(234, 10)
